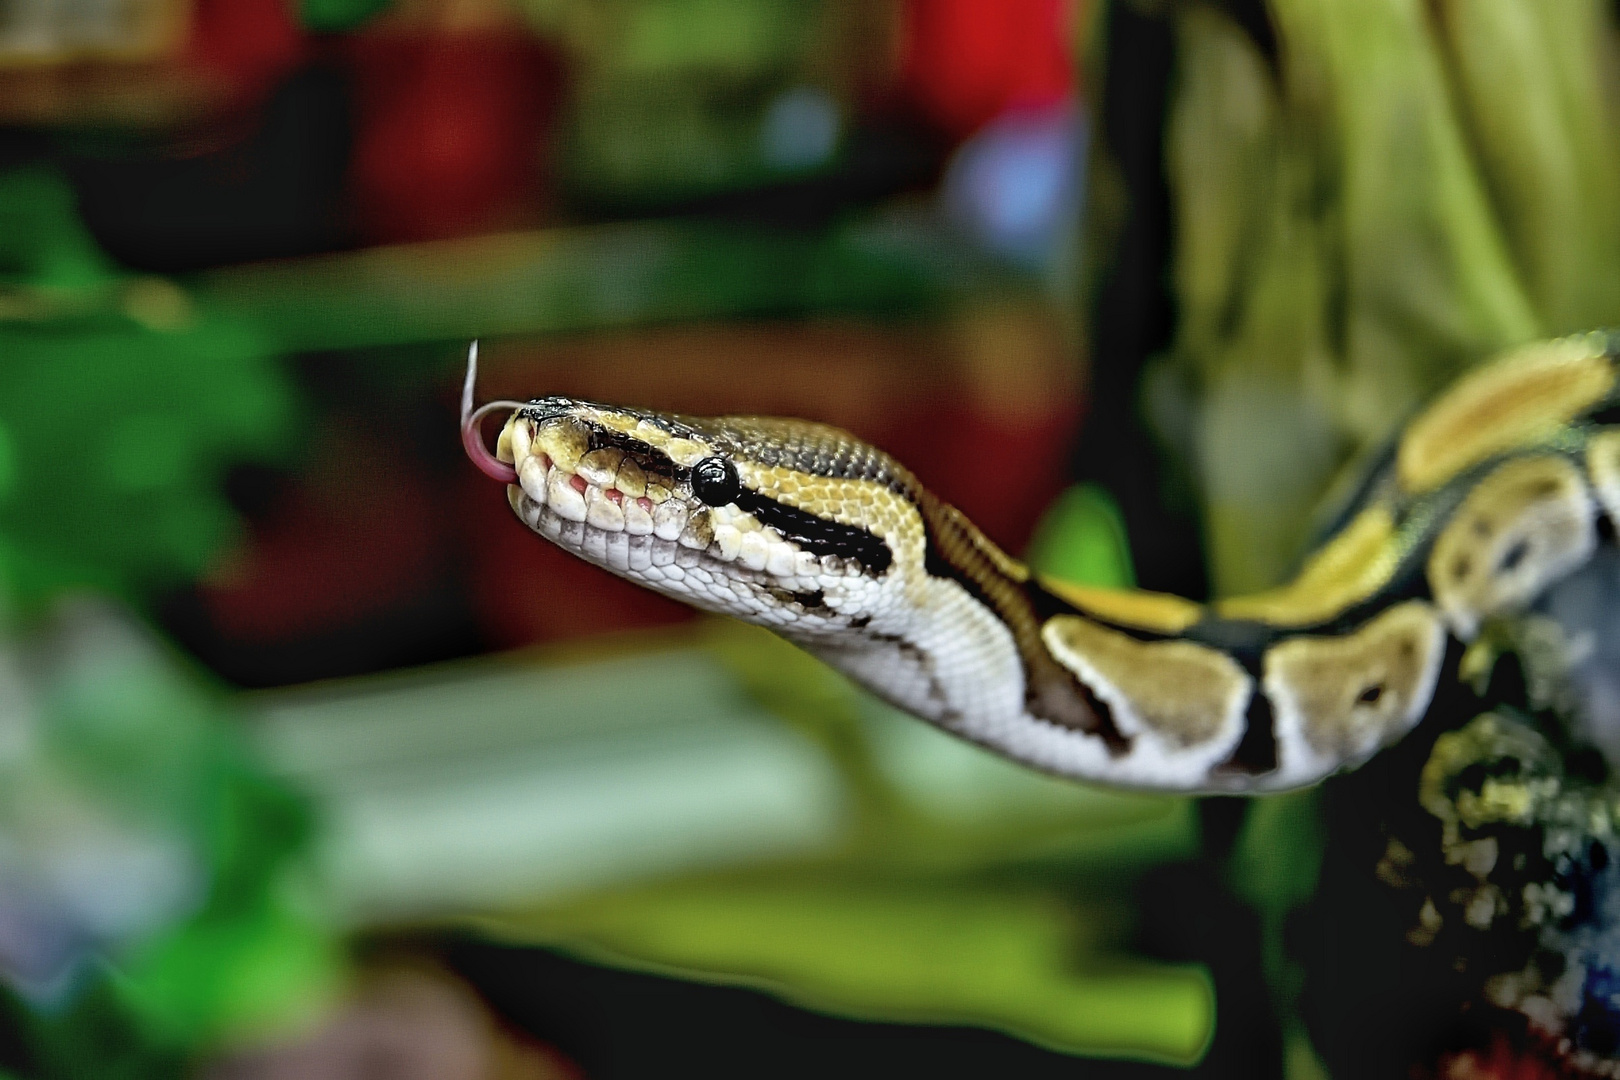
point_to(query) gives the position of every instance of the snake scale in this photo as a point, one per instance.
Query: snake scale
(1504, 486)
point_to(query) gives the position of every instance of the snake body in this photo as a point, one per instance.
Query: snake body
(1505, 485)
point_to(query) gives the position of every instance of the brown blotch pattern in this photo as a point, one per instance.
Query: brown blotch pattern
(1523, 526)
(1357, 692)
(1183, 692)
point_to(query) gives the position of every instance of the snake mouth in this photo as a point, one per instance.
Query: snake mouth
(606, 488)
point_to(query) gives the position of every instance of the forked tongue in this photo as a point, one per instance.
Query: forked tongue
(472, 439)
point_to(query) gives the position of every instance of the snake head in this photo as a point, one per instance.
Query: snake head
(767, 520)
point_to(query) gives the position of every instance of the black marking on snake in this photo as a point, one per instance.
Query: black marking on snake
(1376, 472)
(823, 457)
(654, 462)
(1116, 741)
(548, 408)
(860, 622)
(835, 460)
(814, 600)
(601, 438)
(1256, 752)
(818, 535)
(1605, 415)
(1244, 640)
(1410, 582)
(551, 408)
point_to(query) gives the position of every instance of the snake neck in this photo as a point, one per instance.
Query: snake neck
(958, 551)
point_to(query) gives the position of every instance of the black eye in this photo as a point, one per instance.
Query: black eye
(714, 480)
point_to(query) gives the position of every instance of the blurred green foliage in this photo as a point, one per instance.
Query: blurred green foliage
(43, 245)
(672, 99)
(128, 811)
(154, 850)
(1081, 538)
(1014, 956)
(1404, 190)
(121, 408)
(330, 16)
(567, 280)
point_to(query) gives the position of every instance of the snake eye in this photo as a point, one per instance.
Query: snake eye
(714, 480)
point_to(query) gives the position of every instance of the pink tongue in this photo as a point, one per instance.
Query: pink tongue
(472, 440)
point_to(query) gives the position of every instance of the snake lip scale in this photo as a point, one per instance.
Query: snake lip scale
(1505, 485)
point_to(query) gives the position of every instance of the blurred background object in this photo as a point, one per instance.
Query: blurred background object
(1303, 220)
(316, 763)
(1360, 212)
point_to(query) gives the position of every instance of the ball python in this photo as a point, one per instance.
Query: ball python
(1503, 486)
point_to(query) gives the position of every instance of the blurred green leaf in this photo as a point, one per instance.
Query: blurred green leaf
(251, 972)
(8, 470)
(1534, 89)
(330, 16)
(122, 438)
(1400, 192)
(1081, 538)
(1009, 957)
(574, 280)
(941, 908)
(94, 1037)
(120, 409)
(1428, 284)
(141, 836)
(1275, 866)
(697, 39)
(1279, 852)
(43, 244)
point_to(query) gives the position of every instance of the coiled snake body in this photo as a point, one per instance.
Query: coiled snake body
(1504, 486)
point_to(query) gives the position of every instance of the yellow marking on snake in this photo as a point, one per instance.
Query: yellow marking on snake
(1160, 613)
(1349, 569)
(564, 443)
(1516, 402)
(1491, 497)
